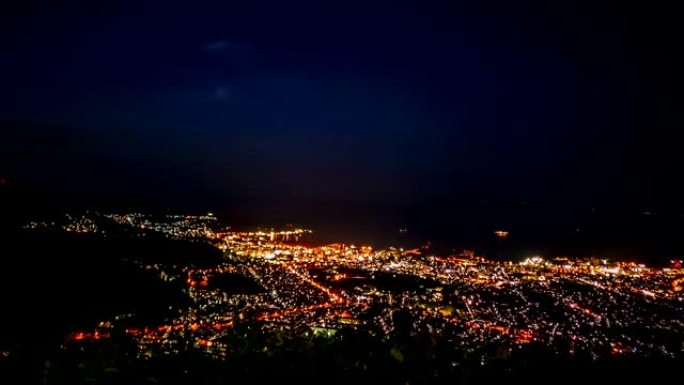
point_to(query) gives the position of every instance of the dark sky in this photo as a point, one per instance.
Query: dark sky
(287, 109)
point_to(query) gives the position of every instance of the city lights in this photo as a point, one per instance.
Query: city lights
(571, 306)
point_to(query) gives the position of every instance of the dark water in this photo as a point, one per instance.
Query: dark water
(649, 234)
(653, 237)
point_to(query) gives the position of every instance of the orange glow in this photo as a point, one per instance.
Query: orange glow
(81, 336)
(524, 337)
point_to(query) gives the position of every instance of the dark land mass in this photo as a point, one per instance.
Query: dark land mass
(61, 280)
(379, 280)
(56, 283)
(231, 283)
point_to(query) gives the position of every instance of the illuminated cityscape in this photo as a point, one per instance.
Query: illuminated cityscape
(341, 193)
(590, 308)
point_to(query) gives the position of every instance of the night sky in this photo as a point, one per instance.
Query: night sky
(403, 111)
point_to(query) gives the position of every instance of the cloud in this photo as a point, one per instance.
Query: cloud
(217, 46)
(225, 48)
(222, 93)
